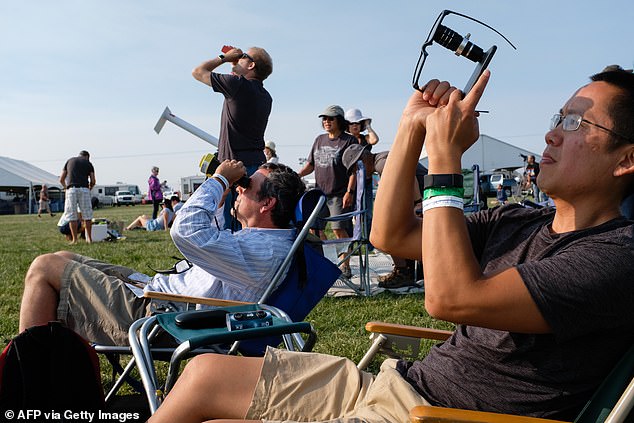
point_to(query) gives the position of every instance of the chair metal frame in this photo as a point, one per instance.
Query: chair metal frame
(393, 339)
(360, 240)
(315, 200)
(144, 330)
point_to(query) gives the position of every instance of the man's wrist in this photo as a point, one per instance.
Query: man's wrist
(222, 57)
(222, 179)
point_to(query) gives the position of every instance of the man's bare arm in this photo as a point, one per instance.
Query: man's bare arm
(466, 295)
(203, 71)
(306, 170)
(395, 227)
(92, 181)
(62, 178)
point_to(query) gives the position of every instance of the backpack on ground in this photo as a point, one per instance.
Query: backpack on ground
(50, 368)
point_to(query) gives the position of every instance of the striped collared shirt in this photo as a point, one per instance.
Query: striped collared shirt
(235, 266)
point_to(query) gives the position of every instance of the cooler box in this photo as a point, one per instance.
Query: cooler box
(99, 232)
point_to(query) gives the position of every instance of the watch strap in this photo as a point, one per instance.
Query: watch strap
(450, 180)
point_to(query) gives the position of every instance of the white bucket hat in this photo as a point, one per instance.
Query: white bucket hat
(355, 116)
(270, 145)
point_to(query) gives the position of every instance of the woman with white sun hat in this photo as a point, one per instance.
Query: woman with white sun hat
(358, 124)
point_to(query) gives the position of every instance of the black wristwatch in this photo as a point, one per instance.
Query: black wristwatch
(451, 180)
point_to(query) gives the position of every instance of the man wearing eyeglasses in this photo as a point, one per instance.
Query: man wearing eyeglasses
(246, 107)
(542, 298)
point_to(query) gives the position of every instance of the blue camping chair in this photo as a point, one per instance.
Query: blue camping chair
(359, 241)
(309, 277)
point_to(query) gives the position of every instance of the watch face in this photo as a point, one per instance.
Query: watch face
(452, 180)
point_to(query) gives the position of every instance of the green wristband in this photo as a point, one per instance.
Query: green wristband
(433, 192)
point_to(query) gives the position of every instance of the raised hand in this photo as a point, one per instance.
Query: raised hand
(423, 103)
(232, 170)
(453, 128)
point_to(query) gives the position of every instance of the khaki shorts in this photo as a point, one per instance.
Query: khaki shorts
(95, 302)
(316, 387)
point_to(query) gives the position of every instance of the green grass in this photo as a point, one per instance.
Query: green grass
(338, 321)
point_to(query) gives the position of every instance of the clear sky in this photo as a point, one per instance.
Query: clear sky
(96, 75)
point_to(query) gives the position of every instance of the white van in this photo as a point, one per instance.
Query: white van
(100, 198)
(105, 194)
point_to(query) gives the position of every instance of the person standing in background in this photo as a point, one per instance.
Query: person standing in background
(331, 176)
(44, 202)
(154, 193)
(81, 178)
(403, 272)
(269, 152)
(357, 123)
(245, 110)
(532, 170)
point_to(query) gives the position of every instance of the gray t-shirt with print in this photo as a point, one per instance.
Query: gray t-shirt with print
(331, 176)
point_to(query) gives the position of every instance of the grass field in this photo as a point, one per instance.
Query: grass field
(339, 321)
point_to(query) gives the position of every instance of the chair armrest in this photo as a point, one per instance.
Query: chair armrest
(405, 330)
(429, 414)
(191, 300)
(343, 216)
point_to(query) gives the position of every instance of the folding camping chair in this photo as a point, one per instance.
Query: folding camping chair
(309, 277)
(306, 213)
(612, 402)
(473, 202)
(359, 241)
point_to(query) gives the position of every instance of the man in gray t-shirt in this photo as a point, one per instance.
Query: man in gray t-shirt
(78, 178)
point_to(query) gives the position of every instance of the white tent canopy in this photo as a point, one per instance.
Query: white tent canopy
(22, 175)
(18, 173)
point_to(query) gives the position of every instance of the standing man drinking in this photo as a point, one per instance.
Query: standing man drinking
(246, 108)
(78, 178)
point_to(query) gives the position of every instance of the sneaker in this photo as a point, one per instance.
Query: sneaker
(345, 270)
(398, 278)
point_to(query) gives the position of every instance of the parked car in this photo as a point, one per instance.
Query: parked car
(123, 197)
(489, 184)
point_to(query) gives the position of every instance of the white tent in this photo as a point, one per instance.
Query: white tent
(490, 153)
(20, 174)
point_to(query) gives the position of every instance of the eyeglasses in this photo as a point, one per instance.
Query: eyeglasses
(247, 56)
(355, 123)
(572, 121)
(328, 118)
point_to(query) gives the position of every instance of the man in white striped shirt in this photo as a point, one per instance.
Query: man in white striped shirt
(98, 300)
